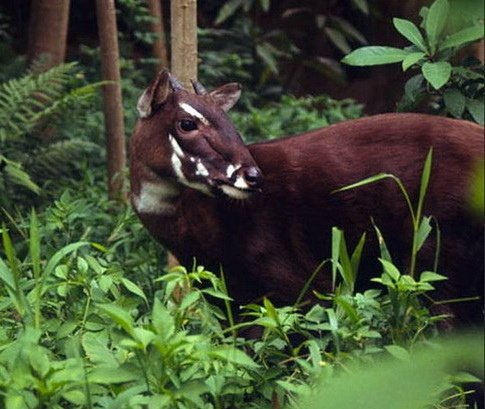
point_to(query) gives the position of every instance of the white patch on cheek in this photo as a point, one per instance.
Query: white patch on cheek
(201, 170)
(176, 147)
(177, 168)
(241, 183)
(192, 111)
(156, 198)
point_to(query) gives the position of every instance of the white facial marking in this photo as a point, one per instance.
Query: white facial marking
(176, 147)
(192, 159)
(234, 193)
(156, 198)
(177, 167)
(231, 169)
(192, 111)
(201, 169)
(241, 183)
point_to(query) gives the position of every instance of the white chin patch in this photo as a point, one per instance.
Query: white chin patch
(234, 192)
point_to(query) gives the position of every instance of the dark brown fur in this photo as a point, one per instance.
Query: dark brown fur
(269, 244)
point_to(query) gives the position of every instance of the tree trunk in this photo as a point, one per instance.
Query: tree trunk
(184, 40)
(112, 103)
(183, 22)
(48, 32)
(159, 46)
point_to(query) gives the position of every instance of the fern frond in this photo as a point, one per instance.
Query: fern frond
(59, 159)
(26, 100)
(11, 172)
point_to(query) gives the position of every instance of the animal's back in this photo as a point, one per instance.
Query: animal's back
(302, 173)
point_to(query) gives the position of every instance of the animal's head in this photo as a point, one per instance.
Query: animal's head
(190, 137)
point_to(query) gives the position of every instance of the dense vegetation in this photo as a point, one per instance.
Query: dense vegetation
(90, 315)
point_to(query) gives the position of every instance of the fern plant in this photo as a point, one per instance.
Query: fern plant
(28, 104)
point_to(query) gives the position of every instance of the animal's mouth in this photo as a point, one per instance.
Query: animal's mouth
(236, 192)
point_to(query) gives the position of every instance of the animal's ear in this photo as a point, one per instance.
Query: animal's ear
(227, 95)
(157, 93)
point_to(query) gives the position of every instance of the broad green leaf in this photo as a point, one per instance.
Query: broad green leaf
(436, 21)
(267, 53)
(476, 109)
(118, 315)
(414, 87)
(95, 346)
(463, 37)
(234, 356)
(375, 55)
(162, 321)
(437, 73)
(228, 10)
(336, 240)
(132, 287)
(384, 251)
(455, 102)
(391, 270)
(189, 299)
(410, 31)
(430, 276)
(398, 352)
(423, 231)
(412, 59)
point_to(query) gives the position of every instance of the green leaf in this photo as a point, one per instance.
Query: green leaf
(437, 73)
(455, 102)
(430, 276)
(228, 10)
(423, 232)
(118, 315)
(414, 87)
(265, 5)
(436, 21)
(391, 270)
(163, 322)
(234, 356)
(476, 109)
(133, 288)
(366, 181)
(412, 59)
(463, 37)
(361, 5)
(267, 53)
(109, 374)
(375, 55)
(410, 31)
(34, 244)
(398, 352)
(338, 39)
(423, 186)
(357, 254)
(95, 346)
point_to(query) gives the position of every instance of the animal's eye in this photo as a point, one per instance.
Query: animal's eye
(188, 125)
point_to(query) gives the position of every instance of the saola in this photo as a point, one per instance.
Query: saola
(264, 211)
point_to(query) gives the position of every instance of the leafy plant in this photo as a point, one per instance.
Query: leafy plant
(456, 90)
(25, 106)
(295, 115)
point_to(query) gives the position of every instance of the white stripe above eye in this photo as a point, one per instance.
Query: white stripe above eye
(192, 111)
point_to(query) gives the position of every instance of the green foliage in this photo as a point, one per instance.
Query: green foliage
(295, 115)
(454, 90)
(29, 106)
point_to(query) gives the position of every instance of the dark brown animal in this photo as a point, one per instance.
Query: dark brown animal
(264, 212)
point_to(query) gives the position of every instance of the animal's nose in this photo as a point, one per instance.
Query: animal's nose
(253, 176)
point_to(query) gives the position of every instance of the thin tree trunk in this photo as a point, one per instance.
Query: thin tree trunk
(183, 16)
(159, 46)
(183, 22)
(112, 102)
(48, 32)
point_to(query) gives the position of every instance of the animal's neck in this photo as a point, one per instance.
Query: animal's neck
(155, 195)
